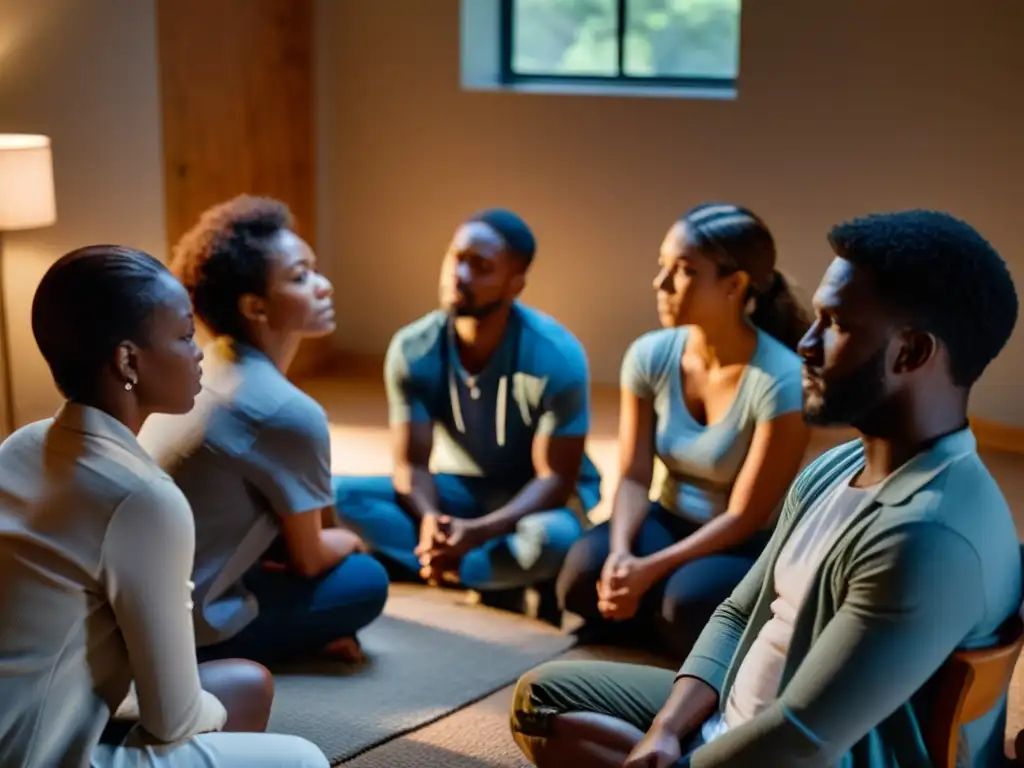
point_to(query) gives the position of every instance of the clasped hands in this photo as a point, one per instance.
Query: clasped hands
(444, 540)
(625, 579)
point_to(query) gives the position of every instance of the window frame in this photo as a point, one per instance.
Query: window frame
(509, 77)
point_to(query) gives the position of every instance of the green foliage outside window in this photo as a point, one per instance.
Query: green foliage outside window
(663, 38)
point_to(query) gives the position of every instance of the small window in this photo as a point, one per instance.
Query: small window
(634, 42)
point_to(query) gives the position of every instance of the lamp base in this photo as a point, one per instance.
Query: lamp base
(7, 423)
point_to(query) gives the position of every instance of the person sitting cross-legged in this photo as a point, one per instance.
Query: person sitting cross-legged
(713, 398)
(892, 551)
(489, 411)
(97, 657)
(276, 577)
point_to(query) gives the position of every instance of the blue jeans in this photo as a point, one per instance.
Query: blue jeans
(299, 616)
(532, 555)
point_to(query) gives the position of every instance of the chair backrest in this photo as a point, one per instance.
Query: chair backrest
(968, 686)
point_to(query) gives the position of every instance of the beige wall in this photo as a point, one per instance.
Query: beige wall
(84, 72)
(845, 106)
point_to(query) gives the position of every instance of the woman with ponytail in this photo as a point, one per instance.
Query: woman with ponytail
(714, 400)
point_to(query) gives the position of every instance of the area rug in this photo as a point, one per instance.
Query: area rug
(429, 655)
(478, 736)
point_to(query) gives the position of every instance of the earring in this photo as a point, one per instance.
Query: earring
(128, 386)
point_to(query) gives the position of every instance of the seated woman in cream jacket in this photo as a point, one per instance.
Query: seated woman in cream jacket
(96, 546)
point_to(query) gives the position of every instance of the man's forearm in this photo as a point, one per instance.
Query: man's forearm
(541, 493)
(691, 702)
(415, 488)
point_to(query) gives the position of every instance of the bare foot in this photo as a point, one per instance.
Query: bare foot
(345, 649)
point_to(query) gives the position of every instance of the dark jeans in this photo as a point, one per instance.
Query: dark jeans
(299, 616)
(676, 609)
(531, 555)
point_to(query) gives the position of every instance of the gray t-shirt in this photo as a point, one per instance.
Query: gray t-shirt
(698, 464)
(253, 449)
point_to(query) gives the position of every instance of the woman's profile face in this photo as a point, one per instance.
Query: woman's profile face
(298, 298)
(168, 366)
(689, 286)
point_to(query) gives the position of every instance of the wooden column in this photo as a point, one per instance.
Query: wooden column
(236, 80)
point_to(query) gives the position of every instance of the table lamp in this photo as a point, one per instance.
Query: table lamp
(26, 202)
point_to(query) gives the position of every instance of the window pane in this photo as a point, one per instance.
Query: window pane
(682, 38)
(565, 37)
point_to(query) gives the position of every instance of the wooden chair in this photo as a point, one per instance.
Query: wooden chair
(969, 685)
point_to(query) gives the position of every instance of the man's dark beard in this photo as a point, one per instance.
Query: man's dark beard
(847, 402)
(478, 312)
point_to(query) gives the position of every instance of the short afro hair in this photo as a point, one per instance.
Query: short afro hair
(514, 232)
(226, 255)
(89, 302)
(940, 273)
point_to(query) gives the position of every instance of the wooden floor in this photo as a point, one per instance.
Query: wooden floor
(478, 736)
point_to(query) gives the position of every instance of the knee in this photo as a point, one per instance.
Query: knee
(520, 722)
(529, 721)
(372, 580)
(522, 696)
(541, 542)
(540, 696)
(245, 688)
(350, 492)
(256, 681)
(549, 534)
(380, 584)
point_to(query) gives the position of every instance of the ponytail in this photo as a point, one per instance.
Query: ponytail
(737, 239)
(780, 313)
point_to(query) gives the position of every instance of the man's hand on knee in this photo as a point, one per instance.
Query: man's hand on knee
(444, 540)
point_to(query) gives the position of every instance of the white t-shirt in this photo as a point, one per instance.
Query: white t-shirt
(757, 680)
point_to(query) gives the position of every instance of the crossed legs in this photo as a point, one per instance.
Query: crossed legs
(530, 556)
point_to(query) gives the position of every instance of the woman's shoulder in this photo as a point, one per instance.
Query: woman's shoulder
(649, 360)
(775, 361)
(266, 401)
(661, 337)
(774, 384)
(653, 348)
(299, 415)
(155, 490)
(153, 508)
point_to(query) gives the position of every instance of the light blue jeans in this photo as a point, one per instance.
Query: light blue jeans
(533, 554)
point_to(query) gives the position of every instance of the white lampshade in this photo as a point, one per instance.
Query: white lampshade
(26, 182)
